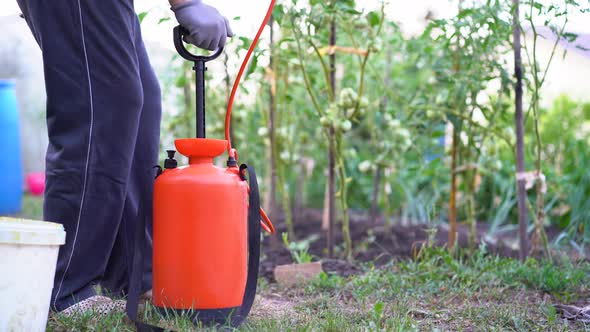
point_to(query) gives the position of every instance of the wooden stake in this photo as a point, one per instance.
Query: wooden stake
(519, 123)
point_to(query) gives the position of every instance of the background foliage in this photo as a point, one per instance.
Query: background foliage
(397, 103)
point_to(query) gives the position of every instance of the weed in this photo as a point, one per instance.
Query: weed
(299, 249)
(325, 282)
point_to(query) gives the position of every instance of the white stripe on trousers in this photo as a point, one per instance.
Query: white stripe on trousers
(87, 154)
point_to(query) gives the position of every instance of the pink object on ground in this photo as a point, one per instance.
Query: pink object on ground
(36, 183)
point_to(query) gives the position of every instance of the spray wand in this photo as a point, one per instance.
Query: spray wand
(232, 152)
(233, 155)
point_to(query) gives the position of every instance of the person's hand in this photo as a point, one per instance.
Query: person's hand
(207, 28)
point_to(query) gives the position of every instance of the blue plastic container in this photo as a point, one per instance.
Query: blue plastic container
(11, 173)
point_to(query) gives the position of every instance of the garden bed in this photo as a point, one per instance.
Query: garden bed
(380, 244)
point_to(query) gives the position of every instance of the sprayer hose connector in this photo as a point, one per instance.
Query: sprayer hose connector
(232, 162)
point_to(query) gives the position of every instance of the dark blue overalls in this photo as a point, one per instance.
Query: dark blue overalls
(103, 119)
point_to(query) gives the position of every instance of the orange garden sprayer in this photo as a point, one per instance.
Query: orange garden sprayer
(206, 222)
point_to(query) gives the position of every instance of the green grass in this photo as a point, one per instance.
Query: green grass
(32, 207)
(434, 292)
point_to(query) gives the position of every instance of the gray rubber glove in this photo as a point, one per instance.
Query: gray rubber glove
(207, 27)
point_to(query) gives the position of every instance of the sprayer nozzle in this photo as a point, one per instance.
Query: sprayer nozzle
(232, 162)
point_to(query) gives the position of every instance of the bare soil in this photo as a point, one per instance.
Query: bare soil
(379, 243)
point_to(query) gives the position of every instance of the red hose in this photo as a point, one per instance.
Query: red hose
(240, 73)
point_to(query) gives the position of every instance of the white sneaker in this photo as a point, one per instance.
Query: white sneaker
(97, 304)
(147, 296)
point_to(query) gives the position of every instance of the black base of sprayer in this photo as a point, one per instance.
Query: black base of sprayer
(207, 317)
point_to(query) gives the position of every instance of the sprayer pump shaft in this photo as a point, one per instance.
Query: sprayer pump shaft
(200, 69)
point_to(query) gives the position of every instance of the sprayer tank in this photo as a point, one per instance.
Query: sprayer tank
(200, 234)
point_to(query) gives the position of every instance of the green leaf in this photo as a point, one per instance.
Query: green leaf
(253, 65)
(466, 12)
(373, 18)
(347, 8)
(378, 308)
(570, 37)
(278, 13)
(456, 121)
(141, 16)
(285, 40)
(163, 19)
(245, 42)
(180, 81)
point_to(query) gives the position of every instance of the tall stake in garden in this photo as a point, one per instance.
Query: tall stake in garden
(273, 206)
(520, 168)
(453, 194)
(374, 212)
(454, 147)
(331, 152)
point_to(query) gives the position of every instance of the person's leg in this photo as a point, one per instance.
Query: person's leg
(116, 278)
(94, 101)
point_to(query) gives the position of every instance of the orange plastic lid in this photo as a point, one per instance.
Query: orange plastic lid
(200, 147)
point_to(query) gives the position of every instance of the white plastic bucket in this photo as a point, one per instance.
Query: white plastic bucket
(28, 256)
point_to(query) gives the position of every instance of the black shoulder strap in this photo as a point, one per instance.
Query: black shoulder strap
(253, 246)
(236, 318)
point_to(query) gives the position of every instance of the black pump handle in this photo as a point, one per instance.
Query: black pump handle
(199, 69)
(180, 32)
